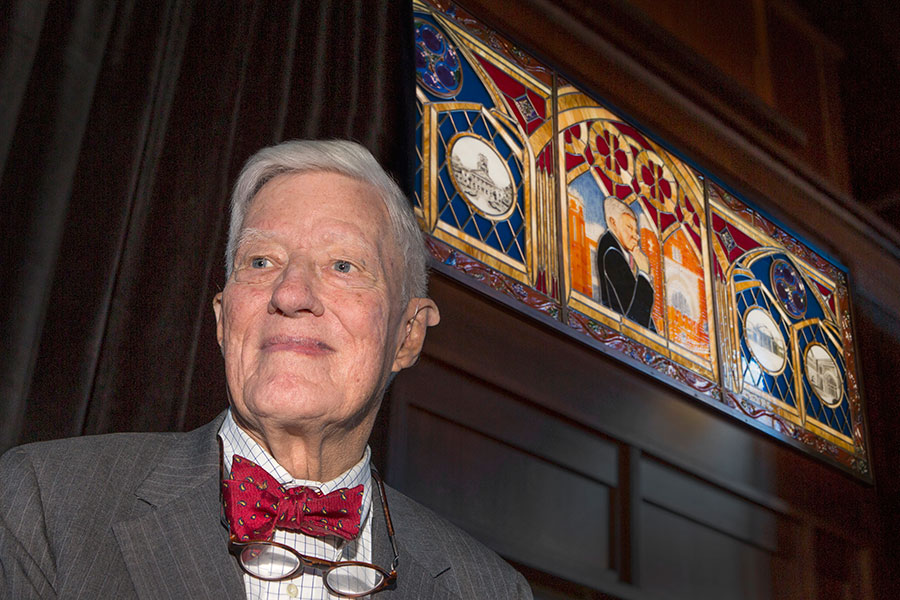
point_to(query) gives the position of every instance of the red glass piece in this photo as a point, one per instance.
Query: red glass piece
(573, 161)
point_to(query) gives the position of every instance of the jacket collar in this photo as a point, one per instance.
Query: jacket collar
(178, 544)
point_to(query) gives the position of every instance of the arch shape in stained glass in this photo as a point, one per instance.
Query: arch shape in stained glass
(743, 316)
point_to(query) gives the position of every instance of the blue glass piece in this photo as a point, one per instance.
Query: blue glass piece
(479, 127)
(472, 229)
(515, 218)
(505, 234)
(460, 122)
(483, 226)
(445, 184)
(493, 241)
(514, 252)
(504, 150)
(463, 213)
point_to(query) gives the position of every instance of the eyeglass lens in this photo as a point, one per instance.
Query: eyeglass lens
(353, 579)
(273, 563)
(268, 562)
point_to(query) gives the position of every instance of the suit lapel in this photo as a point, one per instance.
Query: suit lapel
(415, 579)
(178, 546)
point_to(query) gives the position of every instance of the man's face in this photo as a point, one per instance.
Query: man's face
(625, 229)
(310, 321)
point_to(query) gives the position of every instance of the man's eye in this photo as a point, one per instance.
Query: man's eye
(260, 262)
(342, 266)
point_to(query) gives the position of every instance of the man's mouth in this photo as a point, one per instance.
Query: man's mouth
(298, 344)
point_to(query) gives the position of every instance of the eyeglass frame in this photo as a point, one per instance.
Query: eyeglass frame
(235, 547)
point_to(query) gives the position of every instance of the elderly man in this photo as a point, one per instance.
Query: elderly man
(324, 302)
(622, 267)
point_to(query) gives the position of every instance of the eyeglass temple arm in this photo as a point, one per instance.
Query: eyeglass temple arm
(387, 519)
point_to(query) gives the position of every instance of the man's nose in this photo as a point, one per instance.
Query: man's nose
(297, 292)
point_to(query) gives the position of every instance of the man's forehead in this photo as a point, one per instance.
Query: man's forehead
(315, 184)
(371, 213)
(347, 234)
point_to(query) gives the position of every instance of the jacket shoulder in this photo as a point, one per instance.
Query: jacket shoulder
(90, 473)
(87, 457)
(108, 458)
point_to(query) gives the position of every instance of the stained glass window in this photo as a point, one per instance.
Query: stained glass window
(533, 187)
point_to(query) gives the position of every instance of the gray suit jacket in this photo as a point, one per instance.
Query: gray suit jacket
(137, 516)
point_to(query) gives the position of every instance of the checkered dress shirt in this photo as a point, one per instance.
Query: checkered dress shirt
(309, 584)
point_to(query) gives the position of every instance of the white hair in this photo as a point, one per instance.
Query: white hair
(334, 156)
(613, 208)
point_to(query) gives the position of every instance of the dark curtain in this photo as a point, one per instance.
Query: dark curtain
(122, 127)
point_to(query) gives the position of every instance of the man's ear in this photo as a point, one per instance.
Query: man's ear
(217, 309)
(422, 313)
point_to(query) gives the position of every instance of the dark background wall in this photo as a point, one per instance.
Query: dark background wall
(123, 124)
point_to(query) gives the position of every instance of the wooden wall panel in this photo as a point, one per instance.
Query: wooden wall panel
(502, 463)
(698, 540)
(685, 559)
(802, 67)
(728, 33)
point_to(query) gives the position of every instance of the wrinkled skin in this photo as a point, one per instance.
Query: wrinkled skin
(311, 322)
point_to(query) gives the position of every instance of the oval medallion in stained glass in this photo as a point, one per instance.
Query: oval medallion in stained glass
(481, 176)
(764, 340)
(788, 287)
(823, 375)
(437, 63)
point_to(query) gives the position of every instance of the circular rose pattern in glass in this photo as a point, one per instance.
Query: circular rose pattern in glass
(789, 288)
(437, 66)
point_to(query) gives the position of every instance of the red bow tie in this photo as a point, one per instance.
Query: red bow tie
(255, 504)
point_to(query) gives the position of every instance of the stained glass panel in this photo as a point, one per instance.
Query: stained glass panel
(634, 241)
(485, 155)
(785, 334)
